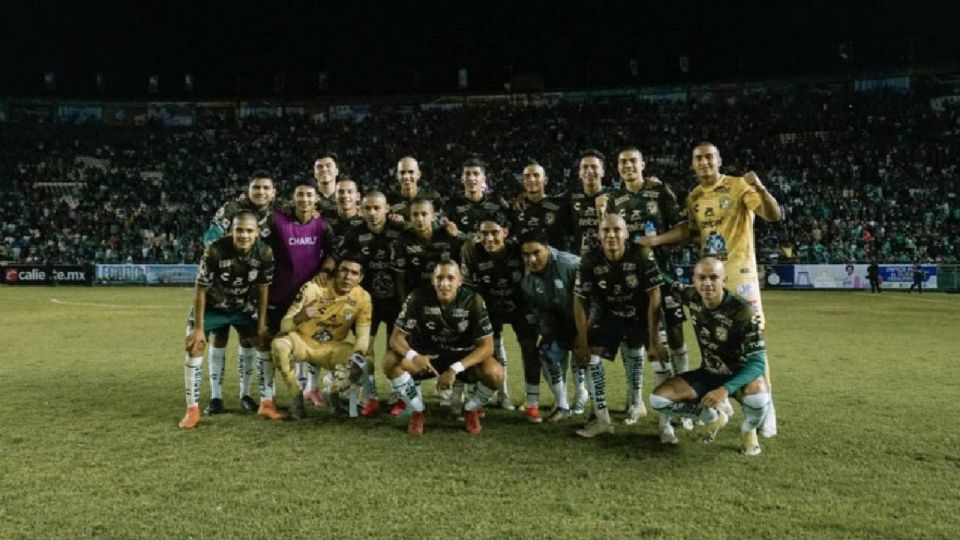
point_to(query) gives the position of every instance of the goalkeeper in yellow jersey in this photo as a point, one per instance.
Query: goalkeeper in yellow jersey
(720, 213)
(316, 327)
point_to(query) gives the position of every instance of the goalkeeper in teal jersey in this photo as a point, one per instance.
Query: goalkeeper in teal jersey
(734, 357)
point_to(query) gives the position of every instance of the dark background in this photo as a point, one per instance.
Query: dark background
(238, 49)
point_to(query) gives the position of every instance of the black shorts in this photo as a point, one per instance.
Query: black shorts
(522, 321)
(608, 332)
(443, 361)
(564, 334)
(384, 311)
(703, 381)
(673, 314)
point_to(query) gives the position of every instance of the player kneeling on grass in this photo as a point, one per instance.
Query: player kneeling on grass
(443, 331)
(734, 356)
(315, 329)
(228, 272)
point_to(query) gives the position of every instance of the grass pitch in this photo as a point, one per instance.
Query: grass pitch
(865, 385)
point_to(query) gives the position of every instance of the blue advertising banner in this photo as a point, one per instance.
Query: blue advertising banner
(145, 274)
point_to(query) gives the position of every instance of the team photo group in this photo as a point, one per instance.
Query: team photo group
(306, 278)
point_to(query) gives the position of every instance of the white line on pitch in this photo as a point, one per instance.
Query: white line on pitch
(65, 303)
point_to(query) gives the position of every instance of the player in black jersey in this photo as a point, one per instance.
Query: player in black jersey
(259, 199)
(468, 209)
(617, 300)
(409, 190)
(494, 268)
(231, 271)
(537, 210)
(374, 242)
(325, 173)
(650, 208)
(585, 212)
(347, 215)
(734, 358)
(419, 248)
(443, 331)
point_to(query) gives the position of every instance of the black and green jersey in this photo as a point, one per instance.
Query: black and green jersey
(401, 205)
(229, 276)
(414, 258)
(652, 210)
(585, 219)
(435, 329)
(551, 214)
(618, 288)
(327, 206)
(343, 228)
(222, 221)
(468, 215)
(729, 335)
(496, 276)
(375, 249)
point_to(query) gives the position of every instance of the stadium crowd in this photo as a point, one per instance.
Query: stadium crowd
(860, 176)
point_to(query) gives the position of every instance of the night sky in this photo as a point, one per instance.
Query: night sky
(402, 47)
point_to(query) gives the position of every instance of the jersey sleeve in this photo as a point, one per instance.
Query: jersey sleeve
(690, 216)
(407, 319)
(397, 256)
(670, 209)
(219, 225)
(364, 315)
(332, 244)
(584, 283)
(468, 261)
(480, 318)
(753, 352)
(749, 196)
(305, 296)
(207, 271)
(651, 271)
(265, 276)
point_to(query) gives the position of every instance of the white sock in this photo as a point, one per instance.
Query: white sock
(597, 384)
(369, 382)
(301, 373)
(680, 359)
(480, 395)
(533, 395)
(755, 408)
(552, 361)
(265, 367)
(407, 390)
(688, 409)
(311, 382)
(216, 367)
(246, 356)
(192, 379)
(633, 365)
(661, 372)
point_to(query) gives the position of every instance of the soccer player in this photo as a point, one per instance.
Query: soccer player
(584, 203)
(734, 354)
(536, 209)
(493, 267)
(409, 190)
(325, 173)
(720, 211)
(619, 283)
(419, 248)
(259, 199)
(230, 270)
(303, 245)
(468, 209)
(648, 207)
(316, 326)
(547, 287)
(443, 331)
(373, 242)
(347, 215)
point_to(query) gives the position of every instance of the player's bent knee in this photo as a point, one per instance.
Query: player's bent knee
(490, 373)
(756, 386)
(391, 364)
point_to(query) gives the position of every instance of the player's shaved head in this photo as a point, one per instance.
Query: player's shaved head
(710, 264)
(709, 277)
(375, 196)
(613, 219)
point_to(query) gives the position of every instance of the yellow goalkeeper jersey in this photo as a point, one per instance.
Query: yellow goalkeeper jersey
(338, 313)
(722, 216)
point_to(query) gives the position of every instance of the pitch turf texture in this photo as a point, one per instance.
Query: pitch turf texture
(866, 388)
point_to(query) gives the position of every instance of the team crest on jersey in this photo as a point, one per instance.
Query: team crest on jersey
(347, 315)
(550, 218)
(653, 208)
(516, 275)
(721, 333)
(632, 281)
(252, 275)
(724, 203)
(463, 325)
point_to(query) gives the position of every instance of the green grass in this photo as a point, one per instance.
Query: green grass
(866, 388)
